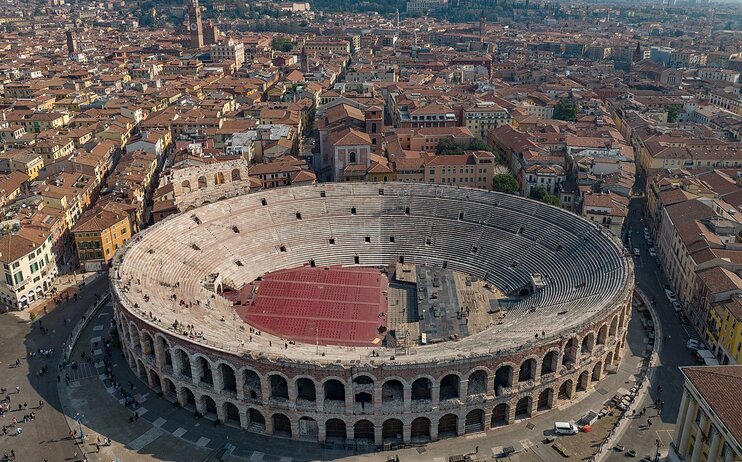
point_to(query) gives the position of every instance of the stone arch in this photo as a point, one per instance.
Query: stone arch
(184, 361)
(168, 388)
(363, 390)
(527, 370)
(333, 389)
(609, 359)
(565, 390)
(279, 386)
(523, 407)
(147, 343)
(154, 380)
(583, 381)
(218, 178)
(449, 387)
(352, 157)
(335, 430)
(569, 355)
(613, 330)
(422, 389)
(602, 335)
(597, 371)
(588, 343)
(231, 414)
(251, 384)
(134, 334)
(545, 399)
(205, 368)
(189, 399)
(550, 362)
(503, 378)
(420, 430)
(255, 421)
(363, 430)
(281, 425)
(617, 354)
(186, 186)
(305, 388)
(228, 376)
(500, 415)
(236, 174)
(202, 184)
(477, 383)
(474, 421)
(448, 426)
(163, 344)
(308, 429)
(141, 370)
(209, 405)
(392, 430)
(392, 391)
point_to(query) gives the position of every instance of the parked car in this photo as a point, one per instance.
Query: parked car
(565, 428)
(677, 307)
(652, 252)
(671, 295)
(694, 345)
(636, 252)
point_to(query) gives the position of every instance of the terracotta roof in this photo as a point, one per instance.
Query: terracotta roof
(720, 387)
(13, 247)
(97, 220)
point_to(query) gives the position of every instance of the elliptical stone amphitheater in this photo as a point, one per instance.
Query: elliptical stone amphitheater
(558, 326)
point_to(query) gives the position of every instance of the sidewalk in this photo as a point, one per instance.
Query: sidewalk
(67, 285)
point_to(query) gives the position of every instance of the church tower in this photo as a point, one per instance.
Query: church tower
(195, 25)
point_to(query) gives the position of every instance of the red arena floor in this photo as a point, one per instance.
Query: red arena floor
(329, 306)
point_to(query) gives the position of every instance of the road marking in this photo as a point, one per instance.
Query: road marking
(285, 459)
(159, 422)
(97, 352)
(95, 339)
(439, 459)
(180, 431)
(256, 456)
(141, 411)
(97, 328)
(145, 438)
(203, 441)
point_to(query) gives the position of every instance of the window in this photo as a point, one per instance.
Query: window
(367, 239)
(331, 241)
(356, 260)
(298, 216)
(352, 158)
(353, 211)
(8, 279)
(391, 239)
(18, 277)
(282, 248)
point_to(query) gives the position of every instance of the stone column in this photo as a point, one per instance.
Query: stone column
(378, 400)
(406, 433)
(461, 425)
(265, 385)
(715, 443)
(433, 430)
(268, 425)
(490, 386)
(699, 441)
(240, 385)
(177, 364)
(220, 414)
(200, 406)
(294, 429)
(159, 355)
(682, 421)
(378, 440)
(685, 435)
(180, 396)
(407, 394)
(196, 371)
(435, 394)
(321, 431)
(216, 375)
(349, 401)
(293, 393)
(244, 422)
(463, 389)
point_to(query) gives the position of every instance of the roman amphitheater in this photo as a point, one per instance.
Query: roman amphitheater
(365, 314)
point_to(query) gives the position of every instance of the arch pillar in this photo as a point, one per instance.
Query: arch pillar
(378, 440)
(180, 396)
(463, 388)
(460, 426)
(177, 364)
(159, 355)
(407, 393)
(407, 433)
(293, 396)
(490, 386)
(349, 401)
(201, 406)
(265, 387)
(433, 430)
(244, 422)
(218, 379)
(240, 387)
(322, 431)
(269, 425)
(377, 396)
(435, 394)
(220, 414)
(196, 371)
(295, 429)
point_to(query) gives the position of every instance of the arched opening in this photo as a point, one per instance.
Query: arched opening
(209, 405)
(165, 348)
(421, 389)
(308, 429)
(255, 421)
(565, 390)
(545, 399)
(168, 388)
(251, 385)
(135, 343)
(363, 388)
(229, 380)
(549, 363)
(231, 414)
(185, 364)
(373, 127)
(186, 185)
(588, 343)
(154, 380)
(477, 383)
(570, 353)
(281, 425)
(147, 344)
(335, 430)
(617, 354)
(205, 368)
(448, 426)
(474, 421)
(363, 430)
(597, 371)
(523, 407)
(141, 370)
(503, 379)
(218, 178)
(609, 359)
(189, 399)
(527, 370)
(236, 175)
(202, 182)
(392, 392)
(352, 158)
(334, 390)
(583, 381)
(305, 389)
(449, 387)
(391, 431)
(279, 387)
(603, 335)
(420, 431)
(614, 327)
(500, 415)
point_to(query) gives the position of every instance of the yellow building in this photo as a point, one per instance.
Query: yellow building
(725, 330)
(708, 427)
(98, 234)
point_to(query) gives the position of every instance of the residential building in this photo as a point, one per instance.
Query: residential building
(98, 234)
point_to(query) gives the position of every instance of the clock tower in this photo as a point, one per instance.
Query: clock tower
(195, 26)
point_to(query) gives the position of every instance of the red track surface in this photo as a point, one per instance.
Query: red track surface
(330, 306)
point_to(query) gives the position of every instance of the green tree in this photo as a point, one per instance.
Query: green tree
(281, 44)
(449, 147)
(538, 193)
(565, 109)
(550, 199)
(479, 145)
(504, 182)
(672, 114)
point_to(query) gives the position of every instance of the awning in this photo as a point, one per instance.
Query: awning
(39, 290)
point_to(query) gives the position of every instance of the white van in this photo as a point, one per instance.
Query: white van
(565, 428)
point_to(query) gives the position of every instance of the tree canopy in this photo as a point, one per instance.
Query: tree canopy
(565, 109)
(281, 44)
(504, 182)
(540, 194)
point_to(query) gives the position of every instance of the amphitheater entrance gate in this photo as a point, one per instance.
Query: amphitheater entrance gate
(500, 415)
(392, 430)
(308, 429)
(448, 426)
(335, 430)
(420, 431)
(474, 421)
(363, 430)
(256, 421)
(281, 425)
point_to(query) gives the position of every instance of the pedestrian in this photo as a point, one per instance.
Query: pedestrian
(17, 362)
(18, 431)
(17, 389)
(12, 454)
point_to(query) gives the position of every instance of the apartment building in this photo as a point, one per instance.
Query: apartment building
(98, 234)
(29, 267)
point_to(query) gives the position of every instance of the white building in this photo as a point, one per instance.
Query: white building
(29, 268)
(229, 50)
(484, 116)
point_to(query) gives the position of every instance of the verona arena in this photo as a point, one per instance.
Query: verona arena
(553, 342)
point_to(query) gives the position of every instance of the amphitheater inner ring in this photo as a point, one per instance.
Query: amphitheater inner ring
(312, 287)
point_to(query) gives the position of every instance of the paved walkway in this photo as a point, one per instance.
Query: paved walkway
(165, 432)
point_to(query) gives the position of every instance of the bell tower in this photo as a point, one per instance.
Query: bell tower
(195, 26)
